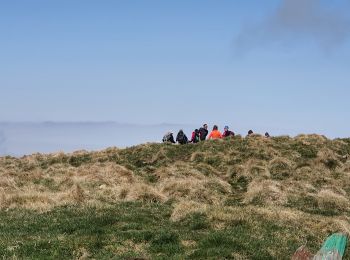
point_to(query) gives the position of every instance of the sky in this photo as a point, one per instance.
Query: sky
(276, 65)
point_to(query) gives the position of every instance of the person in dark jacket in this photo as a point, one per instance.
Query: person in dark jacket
(203, 132)
(227, 133)
(250, 132)
(181, 138)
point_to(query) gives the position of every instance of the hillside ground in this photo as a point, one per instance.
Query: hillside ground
(238, 198)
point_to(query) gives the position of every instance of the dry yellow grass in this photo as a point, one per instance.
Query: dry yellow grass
(82, 254)
(222, 217)
(266, 192)
(328, 198)
(184, 208)
(256, 169)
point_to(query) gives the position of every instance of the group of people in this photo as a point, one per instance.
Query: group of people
(201, 135)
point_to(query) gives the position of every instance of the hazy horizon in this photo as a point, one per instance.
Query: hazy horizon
(23, 138)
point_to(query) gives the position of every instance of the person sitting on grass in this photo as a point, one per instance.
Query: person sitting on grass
(215, 134)
(227, 133)
(203, 132)
(181, 138)
(250, 133)
(195, 136)
(168, 138)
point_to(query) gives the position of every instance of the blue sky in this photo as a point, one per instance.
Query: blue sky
(277, 65)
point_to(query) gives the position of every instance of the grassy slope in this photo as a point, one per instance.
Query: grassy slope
(239, 198)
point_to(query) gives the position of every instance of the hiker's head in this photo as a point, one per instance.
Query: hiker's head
(205, 126)
(215, 127)
(196, 131)
(181, 131)
(226, 128)
(250, 132)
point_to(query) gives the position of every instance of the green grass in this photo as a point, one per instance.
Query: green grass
(133, 230)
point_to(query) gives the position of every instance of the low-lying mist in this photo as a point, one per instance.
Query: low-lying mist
(18, 139)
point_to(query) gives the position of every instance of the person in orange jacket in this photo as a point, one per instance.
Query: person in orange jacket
(215, 134)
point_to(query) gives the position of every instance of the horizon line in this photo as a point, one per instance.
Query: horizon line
(91, 122)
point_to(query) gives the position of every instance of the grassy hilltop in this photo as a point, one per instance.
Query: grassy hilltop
(239, 198)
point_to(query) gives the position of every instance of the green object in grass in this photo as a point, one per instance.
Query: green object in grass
(333, 248)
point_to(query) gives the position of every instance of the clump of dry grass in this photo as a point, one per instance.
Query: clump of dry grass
(131, 246)
(189, 243)
(280, 168)
(177, 170)
(223, 217)
(330, 199)
(265, 192)
(256, 168)
(62, 185)
(204, 189)
(312, 139)
(81, 254)
(184, 208)
(346, 167)
(143, 192)
(198, 157)
(303, 173)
